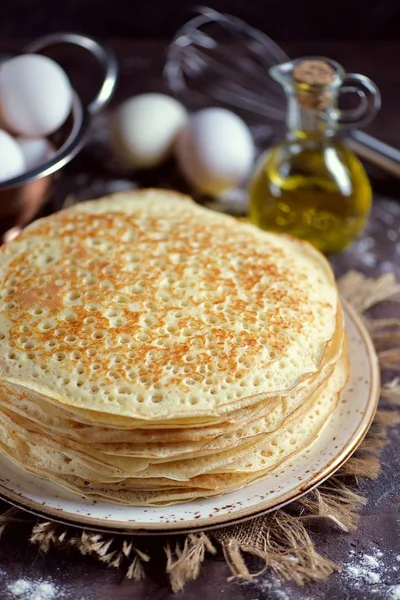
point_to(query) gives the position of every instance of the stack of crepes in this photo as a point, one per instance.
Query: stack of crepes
(153, 351)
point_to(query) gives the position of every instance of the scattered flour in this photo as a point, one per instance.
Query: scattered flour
(370, 569)
(280, 594)
(273, 590)
(394, 592)
(362, 573)
(369, 259)
(373, 577)
(24, 589)
(365, 569)
(44, 591)
(19, 587)
(372, 561)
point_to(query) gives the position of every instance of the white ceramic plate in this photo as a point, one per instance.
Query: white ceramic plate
(343, 433)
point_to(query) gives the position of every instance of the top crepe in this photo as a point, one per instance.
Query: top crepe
(144, 305)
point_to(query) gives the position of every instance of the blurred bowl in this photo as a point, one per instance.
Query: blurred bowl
(21, 197)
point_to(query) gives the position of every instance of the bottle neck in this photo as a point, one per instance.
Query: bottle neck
(310, 123)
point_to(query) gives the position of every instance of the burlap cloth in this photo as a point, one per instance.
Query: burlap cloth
(283, 539)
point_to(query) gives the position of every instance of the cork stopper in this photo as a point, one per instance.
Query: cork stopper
(317, 74)
(313, 72)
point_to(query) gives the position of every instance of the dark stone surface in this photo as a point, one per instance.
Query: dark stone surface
(378, 251)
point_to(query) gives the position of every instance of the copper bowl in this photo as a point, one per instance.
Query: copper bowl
(21, 197)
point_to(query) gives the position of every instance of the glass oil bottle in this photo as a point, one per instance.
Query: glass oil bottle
(311, 185)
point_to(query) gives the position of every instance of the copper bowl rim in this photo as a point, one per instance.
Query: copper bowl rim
(71, 146)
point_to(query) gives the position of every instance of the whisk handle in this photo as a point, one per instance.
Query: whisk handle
(375, 151)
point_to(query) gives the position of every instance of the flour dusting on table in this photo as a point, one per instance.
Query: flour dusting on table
(365, 568)
(25, 589)
(35, 588)
(272, 589)
(394, 592)
(371, 571)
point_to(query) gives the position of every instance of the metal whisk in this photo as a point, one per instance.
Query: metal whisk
(219, 59)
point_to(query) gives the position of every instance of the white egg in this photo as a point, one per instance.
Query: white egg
(215, 151)
(36, 151)
(12, 161)
(144, 129)
(35, 95)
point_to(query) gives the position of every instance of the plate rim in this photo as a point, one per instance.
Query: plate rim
(242, 514)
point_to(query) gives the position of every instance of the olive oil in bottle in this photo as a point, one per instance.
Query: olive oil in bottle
(311, 185)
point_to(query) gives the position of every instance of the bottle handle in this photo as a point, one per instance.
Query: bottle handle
(370, 100)
(104, 56)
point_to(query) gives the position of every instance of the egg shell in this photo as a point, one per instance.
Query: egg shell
(144, 129)
(12, 161)
(36, 151)
(35, 95)
(215, 151)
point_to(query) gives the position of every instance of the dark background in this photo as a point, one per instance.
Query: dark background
(291, 20)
